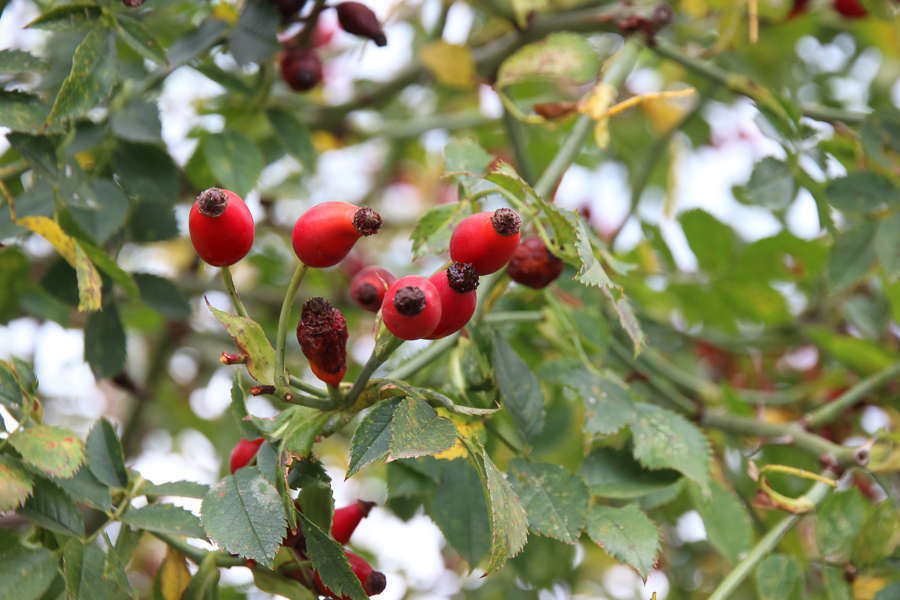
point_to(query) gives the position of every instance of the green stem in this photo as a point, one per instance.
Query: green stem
(298, 383)
(765, 545)
(423, 359)
(283, 322)
(305, 35)
(376, 359)
(663, 386)
(515, 130)
(198, 554)
(833, 410)
(232, 293)
(409, 128)
(517, 316)
(336, 396)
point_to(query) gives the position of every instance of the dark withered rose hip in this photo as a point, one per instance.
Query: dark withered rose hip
(533, 265)
(358, 19)
(301, 69)
(322, 333)
(132, 3)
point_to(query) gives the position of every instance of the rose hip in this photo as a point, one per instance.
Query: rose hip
(221, 227)
(322, 333)
(326, 233)
(242, 453)
(301, 68)
(456, 287)
(411, 308)
(368, 286)
(533, 265)
(347, 518)
(486, 240)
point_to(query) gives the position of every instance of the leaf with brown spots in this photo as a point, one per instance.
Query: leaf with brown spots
(54, 451)
(252, 342)
(16, 483)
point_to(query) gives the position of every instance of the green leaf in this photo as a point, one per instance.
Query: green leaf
(53, 450)
(67, 17)
(556, 501)
(330, 562)
(318, 505)
(372, 439)
(460, 510)
(417, 430)
(466, 155)
(10, 393)
(627, 535)
(778, 577)
(302, 431)
(110, 267)
(104, 342)
(862, 191)
(234, 160)
(185, 489)
(836, 586)
(878, 538)
(140, 39)
(293, 136)
(137, 121)
(39, 151)
(432, 233)
(94, 72)
(886, 248)
(51, 507)
(163, 296)
(839, 520)
(608, 406)
(246, 427)
(243, 514)
(24, 112)
(509, 521)
(860, 355)
(612, 473)
(84, 568)
(165, 518)
(888, 592)
(520, 390)
(107, 217)
(272, 583)
(105, 457)
(628, 319)
(26, 572)
(727, 523)
(851, 257)
(590, 271)
(566, 59)
(252, 343)
(663, 439)
(544, 562)
(17, 61)
(16, 483)
(147, 172)
(771, 185)
(85, 488)
(152, 222)
(254, 39)
(712, 242)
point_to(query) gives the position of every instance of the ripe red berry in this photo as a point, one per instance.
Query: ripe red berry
(852, 9)
(486, 240)
(533, 265)
(373, 581)
(456, 287)
(322, 333)
(347, 518)
(242, 453)
(324, 234)
(358, 19)
(301, 68)
(221, 227)
(368, 286)
(412, 308)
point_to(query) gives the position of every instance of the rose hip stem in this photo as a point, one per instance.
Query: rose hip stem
(281, 375)
(232, 292)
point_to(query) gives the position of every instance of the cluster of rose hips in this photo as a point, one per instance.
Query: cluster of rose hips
(850, 9)
(343, 524)
(412, 307)
(301, 66)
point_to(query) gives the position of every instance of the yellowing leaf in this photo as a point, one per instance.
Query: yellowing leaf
(451, 65)
(50, 231)
(663, 115)
(174, 575)
(324, 140)
(225, 12)
(89, 285)
(596, 107)
(469, 430)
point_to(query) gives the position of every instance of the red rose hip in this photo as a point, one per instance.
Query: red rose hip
(533, 265)
(358, 19)
(221, 227)
(412, 308)
(456, 287)
(322, 333)
(325, 233)
(242, 453)
(301, 68)
(486, 240)
(373, 581)
(347, 518)
(367, 288)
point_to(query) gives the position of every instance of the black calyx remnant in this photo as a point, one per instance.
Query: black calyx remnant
(366, 221)
(506, 222)
(409, 301)
(462, 278)
(212, 202)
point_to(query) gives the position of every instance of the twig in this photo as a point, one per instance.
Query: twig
(198, 554)
(232, 292)
(828, 413)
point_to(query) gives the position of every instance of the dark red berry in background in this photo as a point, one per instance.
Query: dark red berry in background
(358, 19)
(367, 288)
(301, 68)
(221, 227)
(324, 234)
(288, 8)
(852, 9)
(412, 308)
(373, 581)
(456, 287)
(486, 240)
(132, 3)
(347, 518)
(242, 453)
(322, 333)
(533, 265)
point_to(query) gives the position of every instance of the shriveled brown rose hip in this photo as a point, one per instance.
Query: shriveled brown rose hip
(533, 265)
(358, 19)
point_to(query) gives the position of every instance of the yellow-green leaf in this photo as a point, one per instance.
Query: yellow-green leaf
(452, 65)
